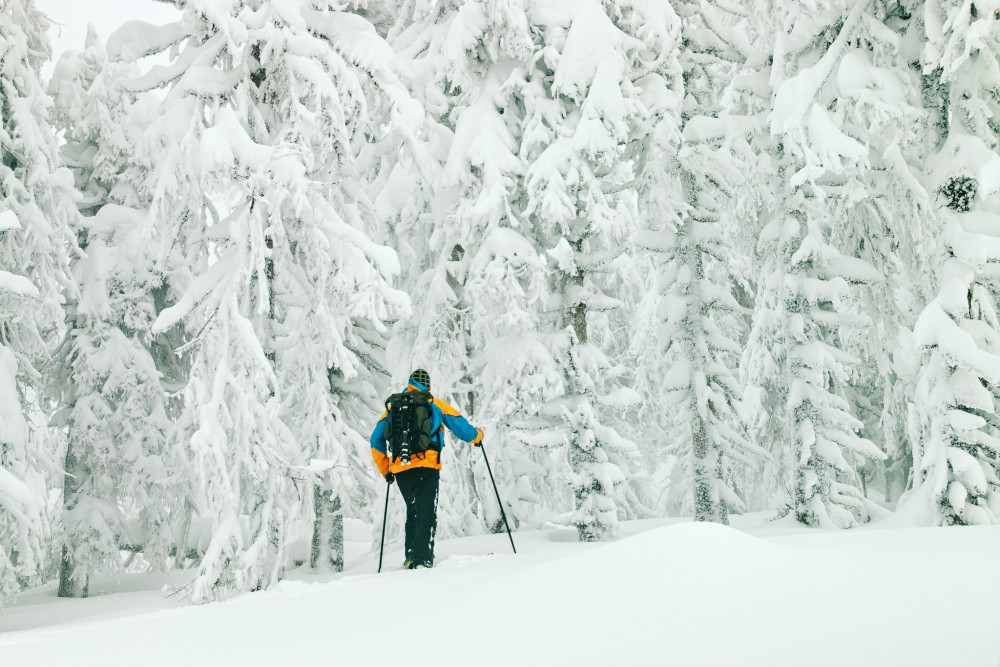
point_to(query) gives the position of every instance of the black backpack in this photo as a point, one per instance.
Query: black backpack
(409, 429)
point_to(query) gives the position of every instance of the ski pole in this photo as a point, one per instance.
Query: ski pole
(499, 502)
(385, 514)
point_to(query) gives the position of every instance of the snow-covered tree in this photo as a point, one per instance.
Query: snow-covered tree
(956, 433)
(807, 288)
(36, 205)
(125, 483)
(478, 281)
(260, 201)
(692, 382)
(957, 448)
(120, 463)
(500, 278)
(409, 201)
(582, 108)
(881, 209)
(887, 220)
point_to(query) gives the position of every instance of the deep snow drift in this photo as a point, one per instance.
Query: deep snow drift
(664, 594)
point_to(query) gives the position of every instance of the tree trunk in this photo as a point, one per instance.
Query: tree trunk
(269, 276)
(580, 314)
(703, 474)
(68, 586)
(328, 532)
(71, 586)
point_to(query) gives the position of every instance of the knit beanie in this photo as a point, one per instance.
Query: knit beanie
(422, 377)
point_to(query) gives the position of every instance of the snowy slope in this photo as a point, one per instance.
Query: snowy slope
(785, 597)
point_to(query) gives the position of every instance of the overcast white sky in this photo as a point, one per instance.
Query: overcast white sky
(70, 18)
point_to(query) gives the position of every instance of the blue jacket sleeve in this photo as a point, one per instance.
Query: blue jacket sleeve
(377, 438)
(461, 427)
(458, 424)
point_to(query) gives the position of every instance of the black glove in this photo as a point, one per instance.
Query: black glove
(389, 478)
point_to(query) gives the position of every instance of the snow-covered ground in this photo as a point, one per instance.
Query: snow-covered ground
(666, 593)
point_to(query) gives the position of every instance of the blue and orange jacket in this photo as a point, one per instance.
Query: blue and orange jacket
(442, 414)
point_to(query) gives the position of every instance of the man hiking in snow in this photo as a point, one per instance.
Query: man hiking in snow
(406, 446)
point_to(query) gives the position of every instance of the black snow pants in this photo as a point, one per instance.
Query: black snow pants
(419, 488)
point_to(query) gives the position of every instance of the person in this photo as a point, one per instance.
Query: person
(418, 480)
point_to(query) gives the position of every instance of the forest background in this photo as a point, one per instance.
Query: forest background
(675, 258)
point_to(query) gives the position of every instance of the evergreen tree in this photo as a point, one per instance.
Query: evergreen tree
(957, 453)
(807, 294)
(581, 107)
(956, 435)
(125, 484)
(501, 276)
(479, 282)
(887, 221)
(35, 206)
(260, 202)
(881, 209)
(696, 313)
